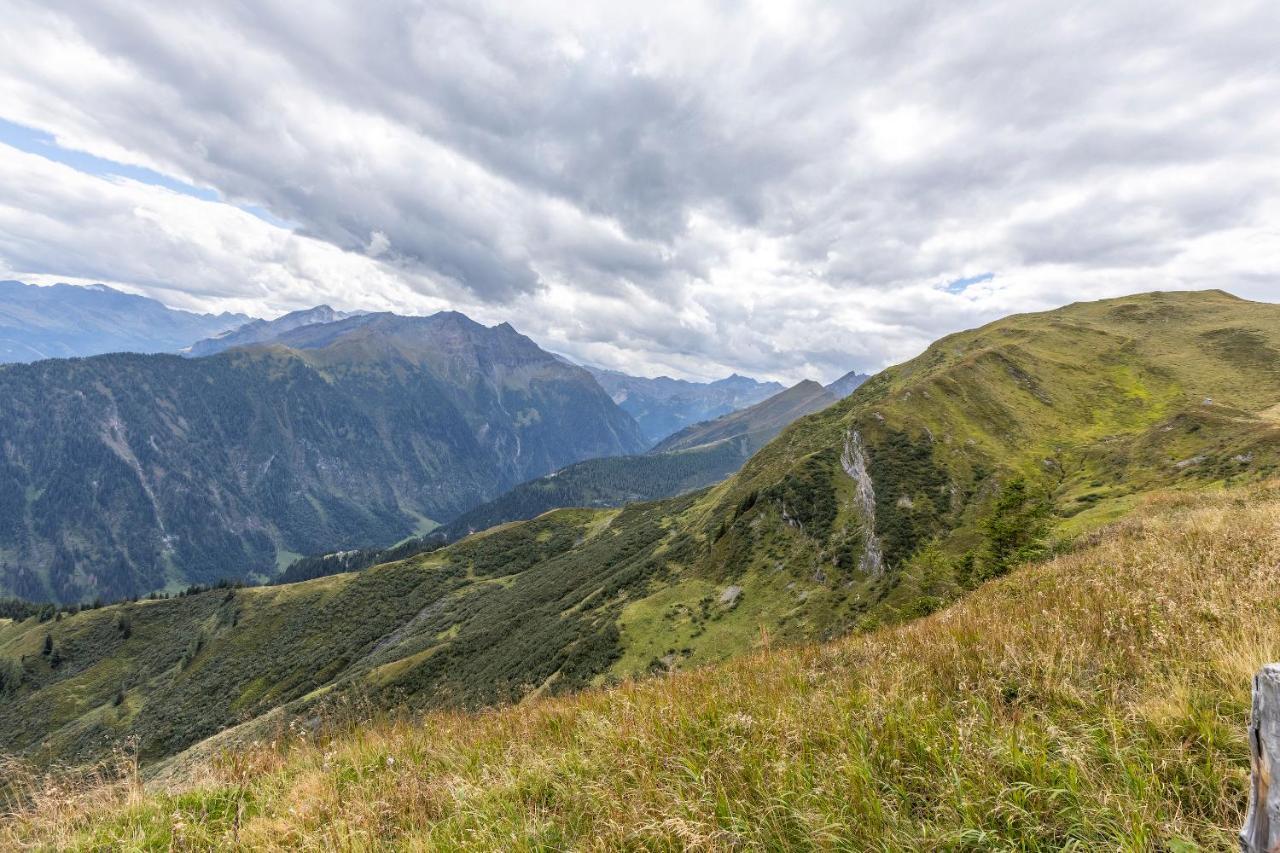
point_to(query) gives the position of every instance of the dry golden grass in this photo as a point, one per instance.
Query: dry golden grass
(1096, 701)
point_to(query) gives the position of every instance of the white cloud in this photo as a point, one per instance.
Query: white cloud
(378, 244)
(782, 189)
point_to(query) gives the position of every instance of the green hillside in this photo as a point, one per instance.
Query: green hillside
(1098, 701)
(940, 473)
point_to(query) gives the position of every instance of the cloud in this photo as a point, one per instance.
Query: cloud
(782, 188)
(378, 244)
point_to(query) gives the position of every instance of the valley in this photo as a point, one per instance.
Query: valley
(993, 448)
(702, 426)
(1098, 699)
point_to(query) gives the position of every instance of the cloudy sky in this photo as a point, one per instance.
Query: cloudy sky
(785, 189)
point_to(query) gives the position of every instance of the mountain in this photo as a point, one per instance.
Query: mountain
(609, 482)
(993, 447)
(67, 321)
(847, 384)
(693, 458)
(123, 474)
(261, 331)
(662, 406)
(756, 424)
(1096, 701)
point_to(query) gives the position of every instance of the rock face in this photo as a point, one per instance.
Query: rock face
(1261, 831)
(853, 460)
(122, 474)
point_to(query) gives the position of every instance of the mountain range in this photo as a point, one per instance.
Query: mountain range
(695, 457)
(66, 321)
(124, 474)
(662, 405)
(847, 384)
(262, 331)
(126, 477)
(931, 478)
(755, 425)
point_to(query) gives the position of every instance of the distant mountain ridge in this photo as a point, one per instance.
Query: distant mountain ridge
(129, 473)
(940, 473)
(75, 321)
(609, 482)
(756, 424)
(662, 405)
(696, 457)
(261, 331)
(847, 384)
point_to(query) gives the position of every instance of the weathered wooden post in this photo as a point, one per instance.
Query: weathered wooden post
(1261, 831)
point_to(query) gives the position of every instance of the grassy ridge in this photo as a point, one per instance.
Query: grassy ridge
(1094, 701)
(982, 452)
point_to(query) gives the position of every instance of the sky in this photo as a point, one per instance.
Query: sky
(782, 189)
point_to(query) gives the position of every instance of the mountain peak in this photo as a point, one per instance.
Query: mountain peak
(71, 320)
(262, 331)
(758, 423)
(664, 406)
(847, 384)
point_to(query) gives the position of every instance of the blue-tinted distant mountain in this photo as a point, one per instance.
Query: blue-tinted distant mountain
(66, 321)
(847, 384)
(663, 405)
(261, 331)
(698, 455)
(757, 424)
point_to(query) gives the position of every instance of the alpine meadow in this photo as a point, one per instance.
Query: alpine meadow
(987, 455)
(665, 426)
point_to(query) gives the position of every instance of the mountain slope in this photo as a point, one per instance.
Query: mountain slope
(757, 424)
(261, 331)
(609, 482)
(934, 476)
(64, 321)
(662, 406)
(123, 474)
(697, 456)
(1097, 701)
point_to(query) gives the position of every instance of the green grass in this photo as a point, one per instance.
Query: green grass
(1095, 701)
(1093, 408)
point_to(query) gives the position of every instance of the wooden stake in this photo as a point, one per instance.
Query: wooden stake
(1261, 831)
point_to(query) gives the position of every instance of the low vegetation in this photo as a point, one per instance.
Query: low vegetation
(1094, 700)
(993, 447)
